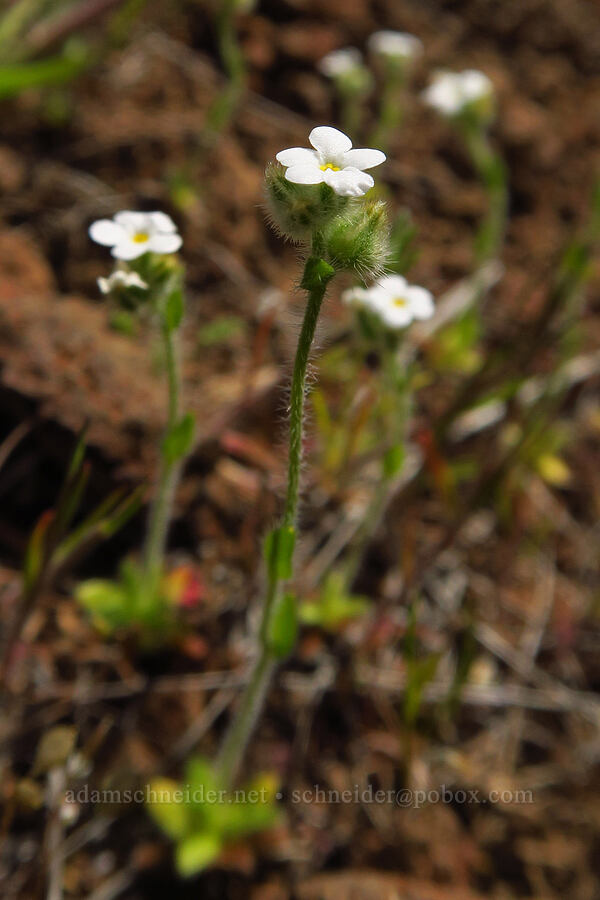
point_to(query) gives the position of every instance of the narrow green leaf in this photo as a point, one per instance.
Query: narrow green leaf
(174, 307)
(279, 550)
(283, 627)
(178, 441)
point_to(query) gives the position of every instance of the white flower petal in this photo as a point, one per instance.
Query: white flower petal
(393, 286)
(130, 249)
(330, 142)
(421, 302)
(305, 174)
(364, 159)
(162, 222)
(134, 222)
(297, 156)
(348, 182)
(164, 243)
(104, 285)
(106, 232)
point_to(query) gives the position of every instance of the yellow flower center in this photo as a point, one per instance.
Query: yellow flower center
(330, 166)
(141, 237)
(399, 301)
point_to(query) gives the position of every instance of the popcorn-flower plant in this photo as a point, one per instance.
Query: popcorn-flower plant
(148, 274)
(316, 198)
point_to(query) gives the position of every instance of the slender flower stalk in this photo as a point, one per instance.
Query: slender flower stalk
(394, 53)
(491, 170)
(353, 83)
(169, 471)
(317, 274)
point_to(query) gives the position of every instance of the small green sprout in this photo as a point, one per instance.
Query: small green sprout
(335, 606)
(203, 817)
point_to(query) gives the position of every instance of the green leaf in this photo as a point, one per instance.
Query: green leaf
(35, 557)
(178, 441)
(196, 852)
(105, 600)
(334, 607)
(279, 550)
(317, 273)
(393, 460)
(174, 307)
(169, 813)
(40, 73)
(283, 626)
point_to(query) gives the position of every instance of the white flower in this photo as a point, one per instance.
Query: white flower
(395, 301)
(131, 234)
(332, 161)
(451, 92)
(121, 278)
(395, 44)
(339, 62)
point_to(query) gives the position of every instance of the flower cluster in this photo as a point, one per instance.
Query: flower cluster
(451, 93)
(121, 279)
(332, 162)
(131, 234)
(393, 300)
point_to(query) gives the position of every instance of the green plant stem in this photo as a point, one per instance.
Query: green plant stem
(351, 111)
(316, 278)
(491, 169)
(391, 112)
(297, 397)
(160, 513)
(224, 105)
(396, 384)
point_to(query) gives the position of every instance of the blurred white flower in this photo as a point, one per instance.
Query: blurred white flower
(340, 62)
(332, 161)
(123, 279)
(395, 44)
(131, 234)
(451, 92)
(396, 302)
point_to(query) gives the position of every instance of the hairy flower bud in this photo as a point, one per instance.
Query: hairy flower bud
(298, 210)
(358, 240)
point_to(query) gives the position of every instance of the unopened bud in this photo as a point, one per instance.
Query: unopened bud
(298, 210)
(358, 241)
